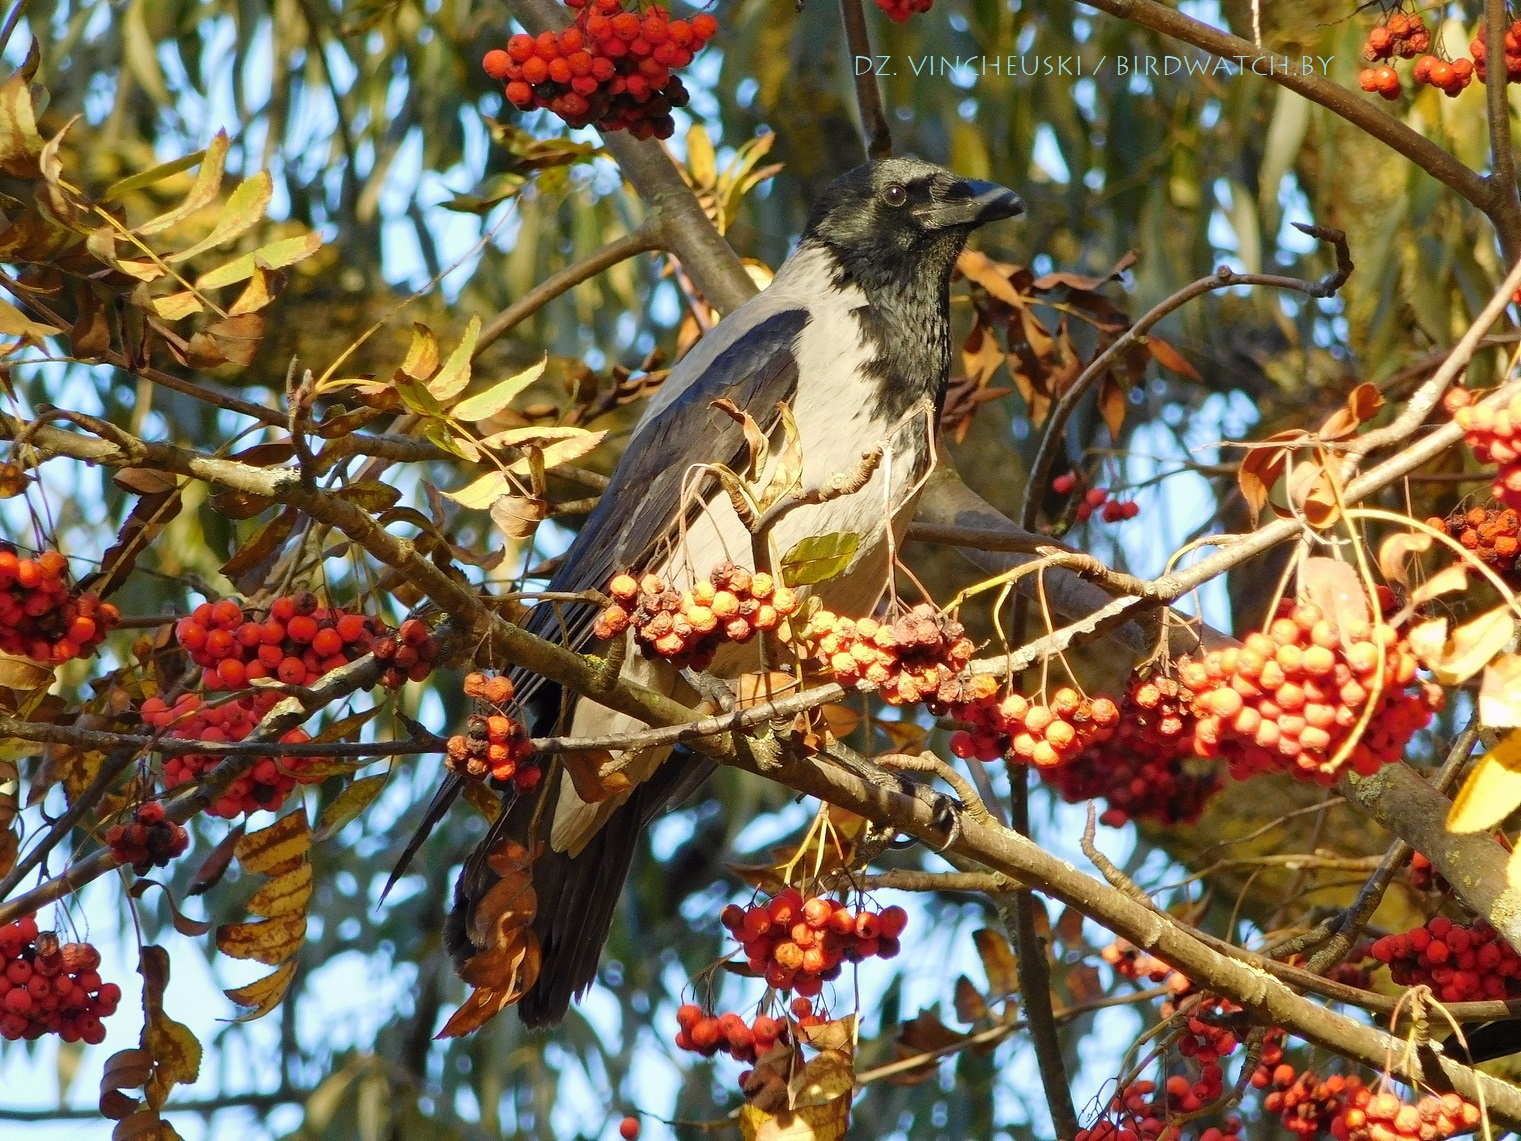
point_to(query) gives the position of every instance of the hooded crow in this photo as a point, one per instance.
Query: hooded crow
(853, 334)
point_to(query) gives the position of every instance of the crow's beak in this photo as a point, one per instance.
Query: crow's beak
(972, 203)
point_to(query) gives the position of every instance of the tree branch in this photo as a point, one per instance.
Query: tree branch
(1506, 213)
(877, 134)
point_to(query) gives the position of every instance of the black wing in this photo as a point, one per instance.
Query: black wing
(642, 502)
(641, 508)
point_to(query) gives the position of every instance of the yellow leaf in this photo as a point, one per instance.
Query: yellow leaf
(263, 994)
(177, 305)
(701, 160)
(175, 1051)
(278, 848)
(1500, 693)
(1471, 647)
(453, 378)
(20, 144)
(348, 804)
(1448, 580)
(523, 437)
(258, 293)
(827, 1122)
(1492, 790)
(23, 673)
(270, 941)
(483, 492)
(276, 255)
(15, 323)
(286, 894)
(203, 192)
(484, 405)
(422, 353)
(561, 452)
(1396, 553)
(244, 210)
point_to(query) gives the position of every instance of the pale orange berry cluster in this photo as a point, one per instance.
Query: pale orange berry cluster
(1494, 434)
(686, 627)
(1290, 697)
(493, 744)
(1045, 734)
(920, 656)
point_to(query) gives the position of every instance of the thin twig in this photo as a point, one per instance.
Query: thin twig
(1223, 278)
(1505, 212)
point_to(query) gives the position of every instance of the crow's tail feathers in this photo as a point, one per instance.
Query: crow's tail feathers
(576, 895)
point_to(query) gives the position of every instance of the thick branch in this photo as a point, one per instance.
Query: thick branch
(878, 136)
(1506, 213)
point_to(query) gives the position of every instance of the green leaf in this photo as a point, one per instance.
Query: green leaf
(484, 405)
(276, 255)
(455, 375)
(203, 192)
(347, 805)
(244, 210)
(483, 492)
(819, 558)
(153, 175)
(142, 54)
(371, 494)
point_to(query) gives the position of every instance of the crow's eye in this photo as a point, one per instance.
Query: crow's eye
(894, 194)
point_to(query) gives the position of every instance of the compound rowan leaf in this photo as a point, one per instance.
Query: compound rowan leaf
(348, 804)
(1492, 790)
(155, 174)
(572, 447)
(268, 941)
(483, 492)
(263, 994)
(819, 558)
(1500, 693)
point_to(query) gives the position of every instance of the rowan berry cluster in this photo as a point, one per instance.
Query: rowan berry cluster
(1307, 1105)
(265, 784)
(1130, 962)
(613, 68)
(900, 10)
(1147, 769)
(1494, 434)
(1460, 962)
(1493, 534)
(408, 655)
(297, 642)
(1479, 49)
(40, 617)
(493, 744)
(1045, 734)
(1288, 699)
(1099, 499)
(687, 627)
(1404, 35)
(1369, 1116)
(729, 1033)
(1143, 1109)
(920, 656)
(798, 944)
(1448, 78)
(47, 987)
(149, 840)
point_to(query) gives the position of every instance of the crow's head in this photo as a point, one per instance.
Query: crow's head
(901, 216)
